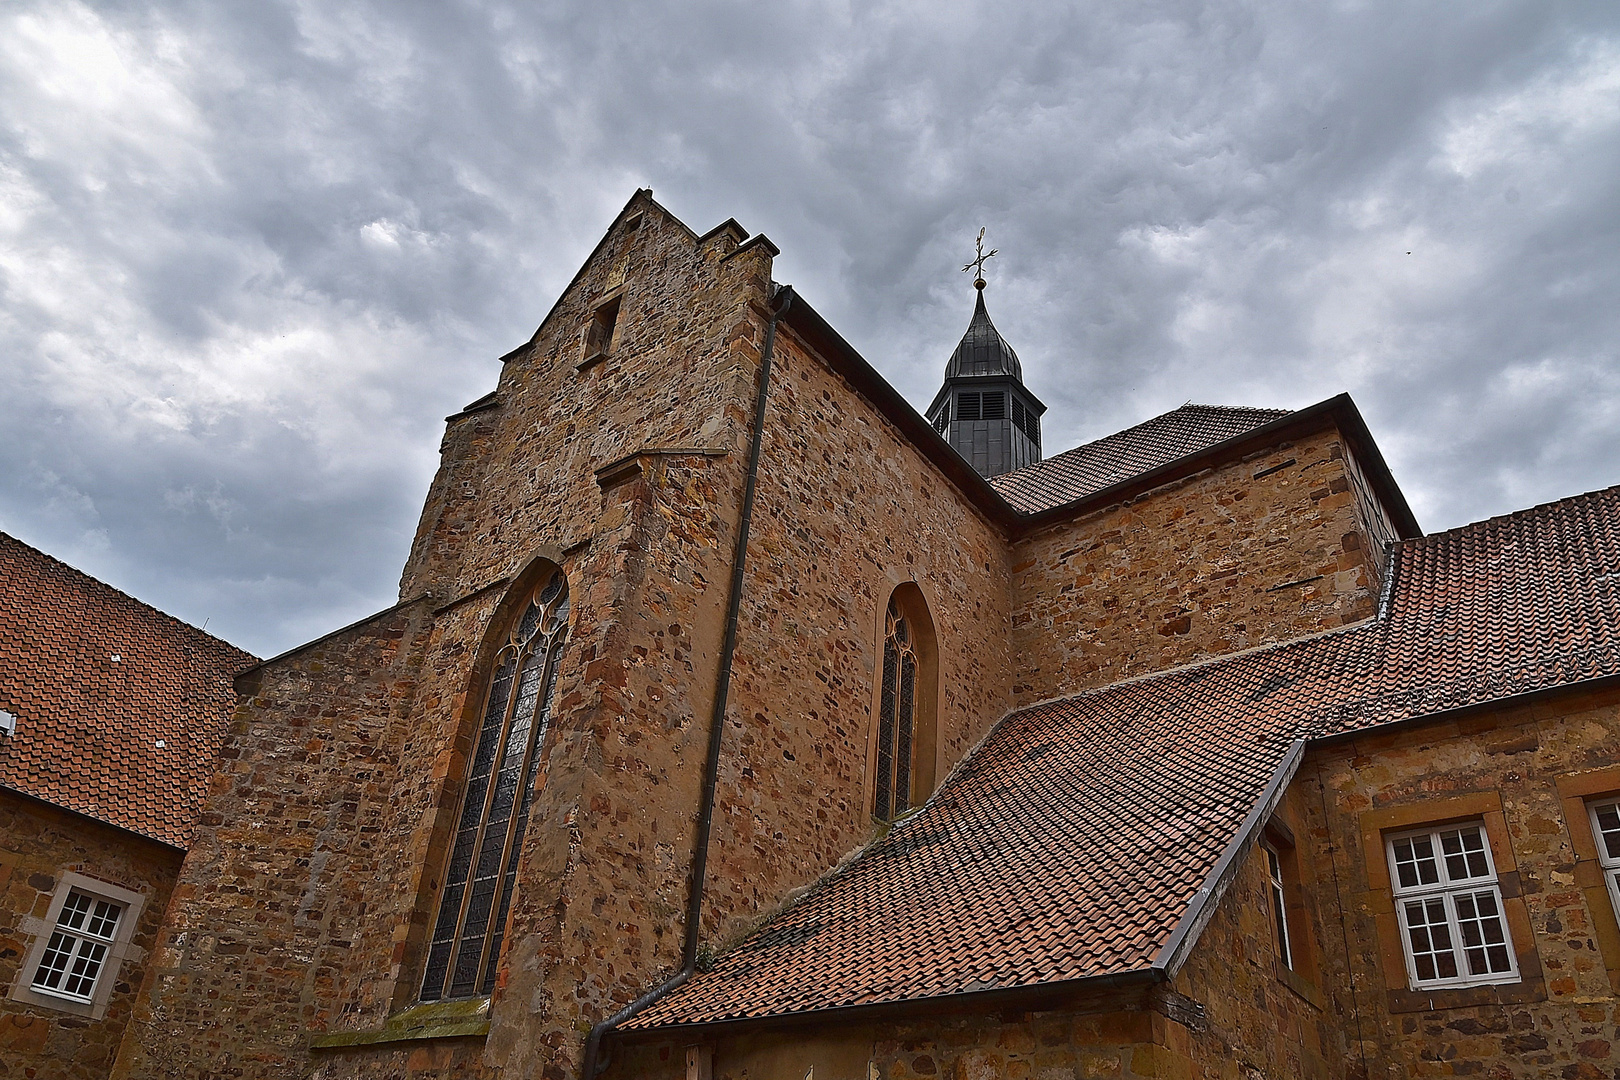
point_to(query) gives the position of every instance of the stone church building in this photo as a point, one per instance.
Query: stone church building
(738, 721)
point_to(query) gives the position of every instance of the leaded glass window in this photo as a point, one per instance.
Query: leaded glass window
(482, 871)
(897, 709)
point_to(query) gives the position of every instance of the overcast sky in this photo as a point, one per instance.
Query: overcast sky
(251, 254)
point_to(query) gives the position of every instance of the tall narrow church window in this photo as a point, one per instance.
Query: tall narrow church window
(903, 773)
(482, 871)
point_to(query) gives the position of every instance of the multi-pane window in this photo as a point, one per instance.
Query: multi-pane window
(1450, 909)
(482, 871)
(1606, 831)
(897, 708)
(1279, 907)
(76, 954)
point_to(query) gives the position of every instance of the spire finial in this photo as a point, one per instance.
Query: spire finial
(977, 265)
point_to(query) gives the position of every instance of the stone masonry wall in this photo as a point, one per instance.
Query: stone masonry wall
(280, 893)
(37, 844)
(847, 510)
(1212, 564)
(304, 914)
(1524, 771)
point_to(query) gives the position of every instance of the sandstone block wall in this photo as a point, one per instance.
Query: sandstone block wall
(1525, 772)
(847, 511)
(38, 843)
(1248, 553)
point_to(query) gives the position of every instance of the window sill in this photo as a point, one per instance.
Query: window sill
(1302, 987)
(464, 1019)
(1462, 997)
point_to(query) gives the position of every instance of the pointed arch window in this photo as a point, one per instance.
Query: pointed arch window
(904, 768)
(482, 872)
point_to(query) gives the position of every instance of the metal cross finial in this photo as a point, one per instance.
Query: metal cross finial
(977, 265)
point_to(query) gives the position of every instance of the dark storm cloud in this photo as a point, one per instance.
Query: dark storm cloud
(251, 254)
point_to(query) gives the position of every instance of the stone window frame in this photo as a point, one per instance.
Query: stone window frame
(120, 950)
(1303, 976)
(1278, 892)
(1578, 792)
(1482, 806)
(1450, 892)
(496, 719)
(907, 597)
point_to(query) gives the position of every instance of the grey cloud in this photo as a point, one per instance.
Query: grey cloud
(250, 254)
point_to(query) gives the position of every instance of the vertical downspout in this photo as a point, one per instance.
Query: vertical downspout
(717, 721)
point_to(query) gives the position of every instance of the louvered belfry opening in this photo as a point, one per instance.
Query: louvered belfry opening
(984, 410)
(482, 872)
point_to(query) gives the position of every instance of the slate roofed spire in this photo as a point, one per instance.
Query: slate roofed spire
(984, 410)
(982, 350)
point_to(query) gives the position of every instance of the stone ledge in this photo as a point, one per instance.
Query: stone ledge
(468, 1018)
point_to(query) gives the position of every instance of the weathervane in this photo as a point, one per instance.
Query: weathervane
(977, 265)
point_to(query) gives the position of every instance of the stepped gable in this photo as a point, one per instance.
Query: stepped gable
(1077, 473)
(88, 725)
(1071, 843)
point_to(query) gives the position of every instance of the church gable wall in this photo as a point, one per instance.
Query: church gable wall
(38, 844)
(1251, 552)
(1524, 772)
(523, 470)
(847, 511)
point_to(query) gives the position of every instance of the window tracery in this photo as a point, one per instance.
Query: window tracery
(900, 727)
(481, 875)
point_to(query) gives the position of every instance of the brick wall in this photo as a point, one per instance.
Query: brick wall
(38, 843)
(1220, 561)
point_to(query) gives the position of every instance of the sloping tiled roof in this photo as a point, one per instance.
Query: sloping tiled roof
(88, 725)
(1072, 841)
(1076, 473)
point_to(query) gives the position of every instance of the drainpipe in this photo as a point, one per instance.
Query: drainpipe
(589, 1066)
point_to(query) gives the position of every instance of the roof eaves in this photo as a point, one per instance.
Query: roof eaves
(330, 634)
(1031, 997)
(843, 358)
(107, 822)
(1339, 410)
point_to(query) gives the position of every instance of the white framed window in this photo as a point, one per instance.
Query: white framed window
(1606, 831)
(78, 946)
(1279, 907)
(1453, 929)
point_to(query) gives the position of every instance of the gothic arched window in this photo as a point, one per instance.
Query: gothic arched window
(482, 872)
(904, 770)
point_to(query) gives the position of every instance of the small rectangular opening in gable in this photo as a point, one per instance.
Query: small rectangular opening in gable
(599, 331)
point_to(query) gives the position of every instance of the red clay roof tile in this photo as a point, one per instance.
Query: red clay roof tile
(1123, 455)
(88, 725)
(1070, 843)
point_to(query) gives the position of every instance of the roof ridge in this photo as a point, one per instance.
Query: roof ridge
(1142, 424)
(116, 591)
(1527, 512)
(1196, 665)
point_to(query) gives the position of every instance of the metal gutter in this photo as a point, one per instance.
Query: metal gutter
(590, 1067)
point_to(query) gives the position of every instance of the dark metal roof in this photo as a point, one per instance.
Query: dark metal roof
(983, 351)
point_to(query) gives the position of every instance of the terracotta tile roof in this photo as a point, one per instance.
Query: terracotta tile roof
(1070, 843)
(88, 725)
(1076, 473)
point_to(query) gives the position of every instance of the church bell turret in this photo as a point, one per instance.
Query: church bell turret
(984, 410)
